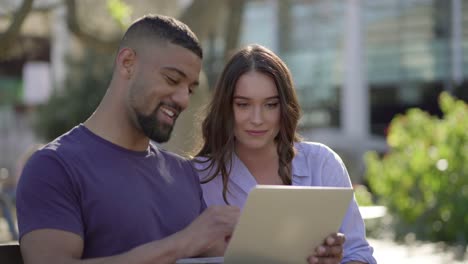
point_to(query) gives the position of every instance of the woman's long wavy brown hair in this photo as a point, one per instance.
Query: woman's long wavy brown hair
(218, 125)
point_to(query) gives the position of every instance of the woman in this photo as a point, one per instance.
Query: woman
(250, 138)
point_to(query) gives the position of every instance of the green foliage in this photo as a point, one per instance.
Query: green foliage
(423, 180)
(86, 84)
(10, 90)
(120, 11)
(363, 196)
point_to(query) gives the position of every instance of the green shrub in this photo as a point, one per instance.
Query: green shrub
(423, 179)
(363, 196)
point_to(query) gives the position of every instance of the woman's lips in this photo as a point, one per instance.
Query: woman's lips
(256, 132)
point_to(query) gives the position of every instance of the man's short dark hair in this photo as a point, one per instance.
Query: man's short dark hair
(163, 28)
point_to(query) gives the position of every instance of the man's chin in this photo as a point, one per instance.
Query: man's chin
(161, 136)
(156, 130)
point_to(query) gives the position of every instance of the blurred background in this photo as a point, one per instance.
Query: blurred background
(382, 82)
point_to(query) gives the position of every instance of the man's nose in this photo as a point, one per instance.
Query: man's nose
(182, 97)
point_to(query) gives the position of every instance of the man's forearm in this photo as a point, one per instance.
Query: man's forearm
(163, 251)
(217, 250)
(167, 250)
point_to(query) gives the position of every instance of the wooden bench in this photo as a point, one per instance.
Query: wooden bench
(10, 253)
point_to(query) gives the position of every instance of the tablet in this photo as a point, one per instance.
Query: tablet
(212, 260)
(284, 224)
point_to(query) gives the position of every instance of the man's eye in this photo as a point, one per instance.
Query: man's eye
(171, 81)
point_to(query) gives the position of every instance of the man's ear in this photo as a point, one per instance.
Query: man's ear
(126, 60)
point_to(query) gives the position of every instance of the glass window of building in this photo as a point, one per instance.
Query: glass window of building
(408, 55)
(410, 52)
(312, 45)
(308, 36)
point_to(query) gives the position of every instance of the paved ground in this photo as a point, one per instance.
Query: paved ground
(386, 251)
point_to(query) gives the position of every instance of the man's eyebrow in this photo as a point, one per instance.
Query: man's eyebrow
(181, 73)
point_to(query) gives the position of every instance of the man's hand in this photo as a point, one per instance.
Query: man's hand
(330, 252)
(208, 233)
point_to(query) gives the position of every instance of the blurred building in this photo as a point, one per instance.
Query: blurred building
(358, 63)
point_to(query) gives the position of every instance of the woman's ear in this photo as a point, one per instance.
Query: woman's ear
(126, 62)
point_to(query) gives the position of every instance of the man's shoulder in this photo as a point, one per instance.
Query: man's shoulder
(53, 160)
(69, 143)
(168, 156)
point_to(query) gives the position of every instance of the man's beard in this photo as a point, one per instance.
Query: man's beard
(154, 128)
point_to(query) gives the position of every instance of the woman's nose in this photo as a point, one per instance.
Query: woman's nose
(256, 116)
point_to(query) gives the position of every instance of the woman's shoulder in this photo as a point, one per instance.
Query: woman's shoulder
(325, 162)
(203, 166)
(314, 149)
(200, 162)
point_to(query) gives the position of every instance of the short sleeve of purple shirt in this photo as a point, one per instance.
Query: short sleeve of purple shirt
(48, 199)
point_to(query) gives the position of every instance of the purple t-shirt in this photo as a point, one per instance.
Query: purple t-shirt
(114, 198)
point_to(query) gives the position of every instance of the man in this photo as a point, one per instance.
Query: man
(101, 193)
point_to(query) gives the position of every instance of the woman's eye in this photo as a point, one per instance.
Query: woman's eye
(241, 104)
(272, 105)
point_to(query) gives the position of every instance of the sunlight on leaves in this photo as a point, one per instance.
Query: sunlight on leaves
(120, 11)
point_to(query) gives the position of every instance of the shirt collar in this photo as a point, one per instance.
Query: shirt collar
(240, 175)
(244, 179)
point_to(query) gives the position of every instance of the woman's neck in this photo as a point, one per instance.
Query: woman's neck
(261, 163)
(257, 154)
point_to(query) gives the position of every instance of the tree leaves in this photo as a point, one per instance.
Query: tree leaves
(423, 179)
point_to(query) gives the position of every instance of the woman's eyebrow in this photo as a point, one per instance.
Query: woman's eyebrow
(240, 97)
(243, 97)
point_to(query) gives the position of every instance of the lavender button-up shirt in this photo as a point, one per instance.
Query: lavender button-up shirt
(314, 165)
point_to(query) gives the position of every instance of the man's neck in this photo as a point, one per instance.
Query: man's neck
(112, 123)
